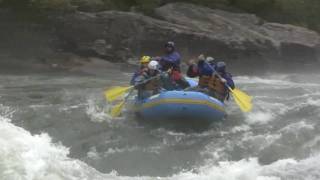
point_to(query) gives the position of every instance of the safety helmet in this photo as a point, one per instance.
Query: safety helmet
(169, 44)
(145, 59)
(221, 66)
(201, 57)
(210, 59)
(153, 65)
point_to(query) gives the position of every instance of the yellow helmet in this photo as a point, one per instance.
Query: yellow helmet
(145, 59)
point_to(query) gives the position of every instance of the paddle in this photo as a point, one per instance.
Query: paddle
(116, 110)
(115, 92)
(242, 99)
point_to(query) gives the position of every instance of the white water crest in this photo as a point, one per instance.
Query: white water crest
(35, 157)
(278, 140)
(250, 169)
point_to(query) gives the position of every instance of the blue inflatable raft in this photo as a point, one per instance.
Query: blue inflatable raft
(181, 105)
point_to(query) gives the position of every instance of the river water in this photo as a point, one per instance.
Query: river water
(54, 126)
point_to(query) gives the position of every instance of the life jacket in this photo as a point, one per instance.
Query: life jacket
(175, 75)
(205, 72)
(216, 85)
(204, 81)
(151, 85)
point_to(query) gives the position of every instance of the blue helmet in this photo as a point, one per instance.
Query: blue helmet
(221, 66)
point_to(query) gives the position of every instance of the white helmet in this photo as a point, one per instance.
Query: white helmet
(154, 65)
(210, 59)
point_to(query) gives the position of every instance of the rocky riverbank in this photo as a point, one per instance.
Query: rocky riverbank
(245, 41)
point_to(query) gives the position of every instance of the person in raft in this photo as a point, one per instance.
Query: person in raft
(144, 61)
(214, 80)
(170, 62)
(148, 83)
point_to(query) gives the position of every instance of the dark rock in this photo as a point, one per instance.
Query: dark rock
(89, 5)
(247, 36)
(243, 40)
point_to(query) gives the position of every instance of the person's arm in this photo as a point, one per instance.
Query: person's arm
(134, 76)
(230, 81)
(139, 81)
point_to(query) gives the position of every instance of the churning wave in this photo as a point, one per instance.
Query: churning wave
(35, 157)
(278, 140)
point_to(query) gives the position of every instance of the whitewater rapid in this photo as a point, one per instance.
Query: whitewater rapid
(278, 140)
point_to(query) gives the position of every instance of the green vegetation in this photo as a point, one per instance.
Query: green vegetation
(298, 12)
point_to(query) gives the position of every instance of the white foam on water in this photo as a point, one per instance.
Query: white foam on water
(93, 154)
(302, 97)
(315, 142)
(98, 109)
(314, 102)
(306, 169)
(250, 169)
(241, 170)
(111, 151)
(6, 112)
(242, 128)
(272, 80)
(71, 107)
(24, 156)
(96, 112)
(259, 117)
(260, 141)
(34, 157)
(295, 127)
(264, 112)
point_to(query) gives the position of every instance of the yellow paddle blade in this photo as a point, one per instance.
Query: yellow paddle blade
(116, 92)
(242, 94)
(116, 110)
(243, 100)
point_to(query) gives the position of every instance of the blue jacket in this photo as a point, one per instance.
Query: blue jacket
(205, 69)
(201, 69)
(171, 60)
(228, 78)
(134, 76)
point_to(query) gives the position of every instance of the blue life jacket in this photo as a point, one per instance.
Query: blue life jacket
(201, 69)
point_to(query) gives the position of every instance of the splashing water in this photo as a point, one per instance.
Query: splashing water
(62, 132)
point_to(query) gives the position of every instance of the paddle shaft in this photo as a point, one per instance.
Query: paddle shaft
(226, 84)
(147, 80)
(128, 95)
(241, 100)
